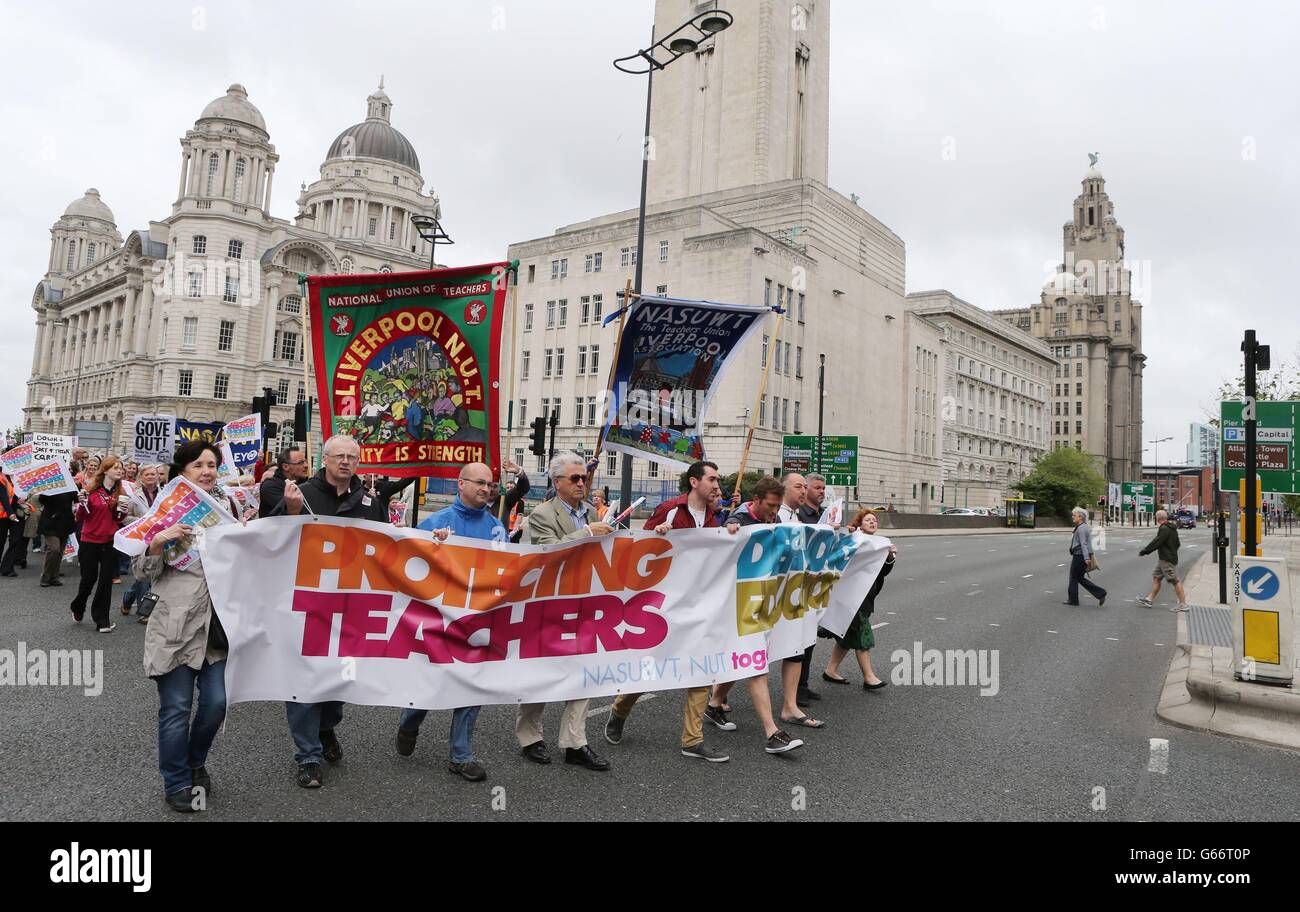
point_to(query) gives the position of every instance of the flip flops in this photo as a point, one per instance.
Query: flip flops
(804, 722)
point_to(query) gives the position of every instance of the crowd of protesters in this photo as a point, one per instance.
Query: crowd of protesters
(185, 647)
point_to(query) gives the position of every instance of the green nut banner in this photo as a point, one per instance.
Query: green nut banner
(406, 364)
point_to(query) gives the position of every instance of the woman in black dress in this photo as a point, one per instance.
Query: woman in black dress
(859, 637)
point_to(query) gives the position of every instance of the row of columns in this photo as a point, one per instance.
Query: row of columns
(334, 221)
(99, 324)
(258, 176)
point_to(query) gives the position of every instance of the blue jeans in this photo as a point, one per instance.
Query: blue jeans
(183, 745)
(306, 722)
(462, 729)
(138, 590)
(1077, 578)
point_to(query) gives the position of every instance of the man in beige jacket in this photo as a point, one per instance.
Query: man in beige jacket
(564, 518)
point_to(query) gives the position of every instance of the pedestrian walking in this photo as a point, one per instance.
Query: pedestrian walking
(568, 517)
(762, 509)
(336, 490)
(185, 648)
(1165, 545)
(1082, 560)
(13, 519)
(101, 508)
(55, 526)
(859, 638)
(469, 516)
(693, 510)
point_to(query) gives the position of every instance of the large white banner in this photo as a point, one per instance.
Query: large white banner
(319, 608)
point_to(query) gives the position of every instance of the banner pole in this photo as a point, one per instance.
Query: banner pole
(306, 367)
(508, 426)
(613, 361)
(753, 420)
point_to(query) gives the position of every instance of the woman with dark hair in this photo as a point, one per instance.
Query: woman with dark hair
(859, 638)
(101, 509)
(184, 645)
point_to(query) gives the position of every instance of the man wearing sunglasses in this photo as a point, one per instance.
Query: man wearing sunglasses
(566, 517)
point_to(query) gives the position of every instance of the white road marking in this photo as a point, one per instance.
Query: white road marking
(1051, 631)
(941, 619)
(1159, 759)
(911, 579)
(993, 550)
(995, 625)
(1159, 644)
(1027, 576)
(1060, 565)
(1011, 588)
(591, 713)
(1113, 639)
(1047, 592)
(976, 592)
(891, 612)
(950, 555)
(881, 624)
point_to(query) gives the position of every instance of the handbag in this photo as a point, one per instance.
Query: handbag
(1093, 565)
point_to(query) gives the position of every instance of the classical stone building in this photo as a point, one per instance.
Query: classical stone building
(197, 313)
(739, 210)
(995, 413)
(1089, 318)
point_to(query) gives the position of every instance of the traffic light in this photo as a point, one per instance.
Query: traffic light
(539, 437)
(302, 420)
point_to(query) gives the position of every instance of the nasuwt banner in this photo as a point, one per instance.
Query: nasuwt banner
(50, 477)
(413, 623)
(187, 431)
(406, 364)
(670, 358)
(180, 503)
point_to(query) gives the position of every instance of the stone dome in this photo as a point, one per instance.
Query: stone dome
(90, 206)
(374, 139)
(235, 106)
(1093, 174)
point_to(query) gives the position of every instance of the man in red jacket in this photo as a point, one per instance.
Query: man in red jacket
(693, 510)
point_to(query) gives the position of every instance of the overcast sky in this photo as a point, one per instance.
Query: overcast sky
(521, 125)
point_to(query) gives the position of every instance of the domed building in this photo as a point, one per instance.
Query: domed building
(201, 311)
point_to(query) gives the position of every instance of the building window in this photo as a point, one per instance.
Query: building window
(786, 371)
(559, 367)
(72, 256)
(591, 411)
(226, 338)
(798, 364)
(524, 365)
(785, 414)
(797, 424)
(162, 340)
(776, 366)
(90, 254)
(762, 411)
(190, 338)
(282, 393)
(532, 273)
(582, 360)
(221, 388)
(584, 310)
(528, 318)
(595, 360)
(1117, 323)
(1078, 408)
(661, 291)
(564, 313)
(214, 165)
(302, 391)
(767, 292)
(1078, 427)
(763, 363)
(287, 345)
(550, 315)
(392, 231)
(548, 363)
(290, 304)
(652, 470)
(372, 226)
(239, 177)
(523, 417)
(597, 305)
(577, 411)
(627, 257)
(196, 285)
(199, 244)
(801, 306)
(598, 262)
(185, 385)
(232, 290)
(663, 251)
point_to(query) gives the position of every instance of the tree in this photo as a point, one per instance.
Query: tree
(1062, 480)
(746, 488)
(1280, 384)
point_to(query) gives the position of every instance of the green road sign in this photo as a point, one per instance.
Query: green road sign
(1275, 434)
(1139, 493)
(838, 462)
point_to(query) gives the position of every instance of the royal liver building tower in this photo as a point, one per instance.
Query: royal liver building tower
(200, 311)
(1090, 320)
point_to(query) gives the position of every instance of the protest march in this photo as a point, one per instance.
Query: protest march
(257, 571)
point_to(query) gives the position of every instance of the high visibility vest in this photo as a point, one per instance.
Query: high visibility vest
(8, 487)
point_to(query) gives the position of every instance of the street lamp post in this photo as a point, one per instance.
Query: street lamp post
(431, 230)
(821, 407)
(685, 39)
(1156, 456)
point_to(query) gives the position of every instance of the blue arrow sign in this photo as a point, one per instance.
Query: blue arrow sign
(1259, 583)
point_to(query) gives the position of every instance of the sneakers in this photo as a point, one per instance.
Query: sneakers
(718, 716)
(702, 751)
(406, 742)
(309, 776)
(614, 728)
(331, 750)
(1178, 608)
(109, 629)
(470, 772)
(780, 742)
(1144, 601)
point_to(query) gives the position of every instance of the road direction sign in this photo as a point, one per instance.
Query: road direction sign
(1139, 496)
(838, 460)
(1275, 437)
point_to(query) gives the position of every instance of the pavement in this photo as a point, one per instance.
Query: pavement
(1201, 691)
(1070, 734)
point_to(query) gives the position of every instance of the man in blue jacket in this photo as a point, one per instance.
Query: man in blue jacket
(469, 517)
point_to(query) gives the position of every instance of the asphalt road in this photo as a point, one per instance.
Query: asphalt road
(1074, 713)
